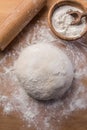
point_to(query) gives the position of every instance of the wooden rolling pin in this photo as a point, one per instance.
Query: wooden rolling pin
(18, 19)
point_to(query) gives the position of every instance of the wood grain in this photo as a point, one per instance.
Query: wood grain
(77, 120)
(15, 16)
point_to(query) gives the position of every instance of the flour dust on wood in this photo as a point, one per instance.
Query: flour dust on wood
(13, 97)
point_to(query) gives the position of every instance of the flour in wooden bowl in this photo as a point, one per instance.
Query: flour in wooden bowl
(61, 22)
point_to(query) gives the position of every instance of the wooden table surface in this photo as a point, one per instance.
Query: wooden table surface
(73, 119)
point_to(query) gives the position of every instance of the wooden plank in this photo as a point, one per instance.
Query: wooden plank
(76, 121)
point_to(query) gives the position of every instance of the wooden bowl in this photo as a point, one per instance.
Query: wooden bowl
(57, 5)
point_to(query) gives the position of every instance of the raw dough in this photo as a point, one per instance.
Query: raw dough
(44, 71)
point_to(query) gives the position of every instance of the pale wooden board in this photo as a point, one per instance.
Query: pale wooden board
(6, 7)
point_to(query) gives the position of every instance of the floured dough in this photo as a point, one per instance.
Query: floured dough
(44, 71)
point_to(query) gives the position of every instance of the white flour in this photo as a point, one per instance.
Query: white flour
(30, 110)
(62, 22)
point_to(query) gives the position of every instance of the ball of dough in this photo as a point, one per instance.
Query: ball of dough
(44, 71)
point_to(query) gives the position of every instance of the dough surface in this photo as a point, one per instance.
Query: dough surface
(44, 71)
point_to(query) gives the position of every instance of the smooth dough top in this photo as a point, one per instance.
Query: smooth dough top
(44, 71)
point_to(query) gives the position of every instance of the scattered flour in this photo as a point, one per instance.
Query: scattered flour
(62, 22)
(34, 112)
